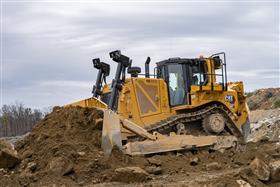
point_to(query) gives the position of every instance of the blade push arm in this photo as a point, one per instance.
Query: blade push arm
(123, 63)
(104, 71)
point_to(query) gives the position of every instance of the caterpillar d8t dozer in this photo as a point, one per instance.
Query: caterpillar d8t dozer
(187, 103)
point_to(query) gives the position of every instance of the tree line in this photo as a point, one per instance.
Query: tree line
(16, 119)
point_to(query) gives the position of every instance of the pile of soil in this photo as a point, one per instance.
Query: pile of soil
(263, 99)
(64, 149)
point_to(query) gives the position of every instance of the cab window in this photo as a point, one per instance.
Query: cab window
(199, 78)
(176, 84)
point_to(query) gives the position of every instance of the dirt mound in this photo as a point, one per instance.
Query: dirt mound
(64, 149)
(265, 99)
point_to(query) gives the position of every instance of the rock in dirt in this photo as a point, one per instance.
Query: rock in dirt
(243, 183)
(31, 166)
(225, 143)
(194, 161)
(60, 166)
(275, 171)
(213, 166)
(154, 161)
(130, 174)
(156, 170)
(260, 169)
(8, 156)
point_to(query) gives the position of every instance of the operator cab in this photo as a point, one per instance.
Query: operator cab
(180, 74)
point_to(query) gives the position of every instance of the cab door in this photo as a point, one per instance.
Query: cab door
(178, 85)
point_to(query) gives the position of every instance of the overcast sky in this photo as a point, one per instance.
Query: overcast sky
(48, 47)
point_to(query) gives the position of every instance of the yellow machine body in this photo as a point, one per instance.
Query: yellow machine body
(146, 101)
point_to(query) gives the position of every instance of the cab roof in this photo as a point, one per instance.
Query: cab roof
(190, 61)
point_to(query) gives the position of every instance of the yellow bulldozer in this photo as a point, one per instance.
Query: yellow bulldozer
(187, 103)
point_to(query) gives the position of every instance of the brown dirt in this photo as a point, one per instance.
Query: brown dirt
(72, 136)
(64, 149)
(263, 99)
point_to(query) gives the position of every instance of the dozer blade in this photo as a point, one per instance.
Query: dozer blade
(179, 142)
(111, 132)
(246, 127)
(246, 130)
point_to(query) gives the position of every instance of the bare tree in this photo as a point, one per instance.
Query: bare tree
(15, 119)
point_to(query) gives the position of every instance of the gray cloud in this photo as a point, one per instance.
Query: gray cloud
(48, 47)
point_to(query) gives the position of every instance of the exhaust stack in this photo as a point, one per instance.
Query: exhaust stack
(147, 67)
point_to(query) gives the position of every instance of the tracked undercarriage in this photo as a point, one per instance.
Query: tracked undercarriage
(189, 120)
